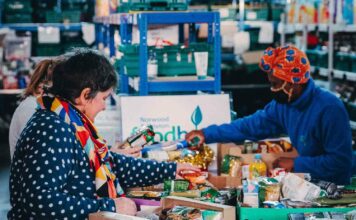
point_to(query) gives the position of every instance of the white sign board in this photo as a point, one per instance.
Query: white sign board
(173, 116)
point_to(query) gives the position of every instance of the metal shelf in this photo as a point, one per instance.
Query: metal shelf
(34, 26)
(246, 86)
(340, 74)
(167, 84)
(298, 27)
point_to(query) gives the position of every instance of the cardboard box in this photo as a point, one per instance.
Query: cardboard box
(112, 216)
(229, 212)
(236, 150)
(221, 182)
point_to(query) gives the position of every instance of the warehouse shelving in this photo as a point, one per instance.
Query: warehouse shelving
(105, 27)
(34, 26)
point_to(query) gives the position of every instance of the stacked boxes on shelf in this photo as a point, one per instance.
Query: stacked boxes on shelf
(318, 58)
(18, 11)
(152, 5)
(174, 60)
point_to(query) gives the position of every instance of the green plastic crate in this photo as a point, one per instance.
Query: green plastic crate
(276, 14)
(254, 45)
(18, 18)
(318, 58)
(18, 6)
(48, 49)
(244, 213)
(342, 61)
(353, 63)
(71, 16)
(256, 14)
(153, 5)
(226, 14)
(53, 17)
(172, 67)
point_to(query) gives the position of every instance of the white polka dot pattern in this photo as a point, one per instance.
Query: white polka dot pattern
(51, 177)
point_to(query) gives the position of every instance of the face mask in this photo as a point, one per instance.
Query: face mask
(281, 95)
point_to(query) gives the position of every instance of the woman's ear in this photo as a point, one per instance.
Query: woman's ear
(83, 99)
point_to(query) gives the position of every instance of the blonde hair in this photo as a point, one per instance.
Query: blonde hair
(41, 74)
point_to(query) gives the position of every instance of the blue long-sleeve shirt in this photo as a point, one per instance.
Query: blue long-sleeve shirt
(51, 176)
(317, 124)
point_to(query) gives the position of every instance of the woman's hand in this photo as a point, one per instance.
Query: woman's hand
(125, 206)
(130, 151)
(195, 134)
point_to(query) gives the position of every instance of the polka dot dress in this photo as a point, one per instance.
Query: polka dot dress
(51, 178)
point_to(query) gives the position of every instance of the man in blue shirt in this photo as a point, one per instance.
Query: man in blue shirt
(315, 120)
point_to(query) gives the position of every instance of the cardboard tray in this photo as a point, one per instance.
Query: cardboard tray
(229, 212)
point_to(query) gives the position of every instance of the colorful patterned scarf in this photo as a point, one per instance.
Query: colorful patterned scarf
(93, 144)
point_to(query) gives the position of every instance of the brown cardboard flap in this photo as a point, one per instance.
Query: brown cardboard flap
(221, 182)
(229, 212)
(236, 150)
(268, 158)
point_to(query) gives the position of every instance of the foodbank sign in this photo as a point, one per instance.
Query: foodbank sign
(172, 117)
(176, 132)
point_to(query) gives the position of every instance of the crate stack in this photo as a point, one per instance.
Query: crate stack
(18, 11)
(152, 5)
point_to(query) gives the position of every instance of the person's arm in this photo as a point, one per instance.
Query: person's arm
(136, 172)
(262, 124)
(47, 166)
(336, 161)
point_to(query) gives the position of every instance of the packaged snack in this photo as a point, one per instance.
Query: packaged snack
(251, 199)
(231, 166)
(273, 205)
(296, 188)
(182, 213)
(269, 190)
(176, 185)
(194, 177)
(146, 194)
(188, 194)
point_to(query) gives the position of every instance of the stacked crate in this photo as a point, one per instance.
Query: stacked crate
(18, 11)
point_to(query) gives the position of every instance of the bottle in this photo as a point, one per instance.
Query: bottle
(143, 136)
(257, 168)
(152, 65)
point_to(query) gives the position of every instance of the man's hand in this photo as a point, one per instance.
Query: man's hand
(284, 162)
(193, 134)
(130, 151)
(125, 206)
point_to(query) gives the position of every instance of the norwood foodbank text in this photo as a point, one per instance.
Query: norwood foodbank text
(175, 133)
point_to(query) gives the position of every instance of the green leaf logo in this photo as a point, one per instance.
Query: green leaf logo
(196, 117)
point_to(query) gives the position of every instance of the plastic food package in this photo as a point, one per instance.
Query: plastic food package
(231, 166)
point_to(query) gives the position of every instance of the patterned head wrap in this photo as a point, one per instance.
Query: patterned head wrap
(286, 63)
